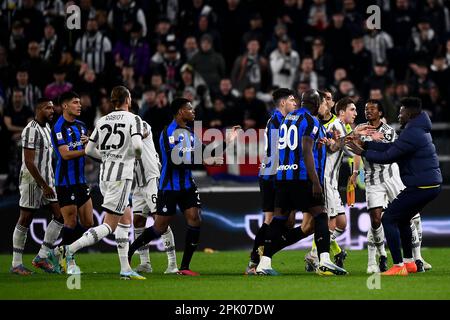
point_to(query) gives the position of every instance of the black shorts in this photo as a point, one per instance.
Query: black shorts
(296, 195)
(168, 200)
(267, 192)
(77, 194)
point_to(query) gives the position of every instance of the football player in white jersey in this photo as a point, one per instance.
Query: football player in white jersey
(117, 140)
(146, 176)
(346, 114)
(383, 184)
(36, 186)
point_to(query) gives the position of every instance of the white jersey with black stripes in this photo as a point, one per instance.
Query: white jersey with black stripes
(149, 166)
(376, 173)
(113, 136)
(37, 137)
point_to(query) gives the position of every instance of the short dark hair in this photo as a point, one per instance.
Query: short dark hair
(118, 96)
(412, 104)
(282, 93)
(17, 89)
(42, 101)
(321, 95)
(22, 69)
(311, 99)
(177, 104)
(378, 104)
(67, 96)
(342, 104)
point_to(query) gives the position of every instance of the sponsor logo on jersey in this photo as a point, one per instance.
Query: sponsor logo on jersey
(288, 167)
(75, 144)
(292, 117)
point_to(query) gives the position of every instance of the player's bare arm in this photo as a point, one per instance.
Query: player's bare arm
(29, 162)
(67, 154)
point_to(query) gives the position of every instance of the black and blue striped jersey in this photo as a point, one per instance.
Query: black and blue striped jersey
(181, 150)
(269, 165)
(296, 125)
(68, 172)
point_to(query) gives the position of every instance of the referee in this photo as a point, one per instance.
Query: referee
(416, 156)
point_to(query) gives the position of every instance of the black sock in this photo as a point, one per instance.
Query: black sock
(259, 241)
(274, 233)
(79, 231)
(68, 236)
(291, 236)
(60, 219)
(191, 243)
(321, 233)
(148, 235)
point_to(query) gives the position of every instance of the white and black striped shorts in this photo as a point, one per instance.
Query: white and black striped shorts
(116, 195)
(31, 196)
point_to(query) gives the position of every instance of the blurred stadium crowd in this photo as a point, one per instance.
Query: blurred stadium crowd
(225, 55)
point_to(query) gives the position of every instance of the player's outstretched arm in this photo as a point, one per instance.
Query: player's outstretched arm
(402, 146)
(92, 151)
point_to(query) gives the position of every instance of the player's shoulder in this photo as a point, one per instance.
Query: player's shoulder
(80, 123)
(310, 119)
(337, 124)
(146, 125)
(32, 125)
(59, 123)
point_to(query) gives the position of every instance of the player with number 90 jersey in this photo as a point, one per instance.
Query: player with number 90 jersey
(113, 134)
(296, 125)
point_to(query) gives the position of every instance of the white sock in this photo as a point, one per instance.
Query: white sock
(324, 257)
(415, 243)
(371, 248)
(51, 235)
(93, 235)
(408, 260)
(417, 221)
(169, 246)
(378, 240)
(123, 243)
(264, 263)
(19, 239)
(314, 251)
(336, 234)
(143, 251)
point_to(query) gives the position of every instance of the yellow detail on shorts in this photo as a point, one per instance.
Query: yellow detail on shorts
(429, 187)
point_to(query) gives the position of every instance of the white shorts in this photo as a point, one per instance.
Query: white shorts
(116, 195)
(144, 198)
(32, 197)
(333, 201)
(380, 195)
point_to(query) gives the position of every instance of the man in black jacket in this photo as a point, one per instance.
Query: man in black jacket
(416, 156)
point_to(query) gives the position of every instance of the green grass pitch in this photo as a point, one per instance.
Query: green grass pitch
(222, 278)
